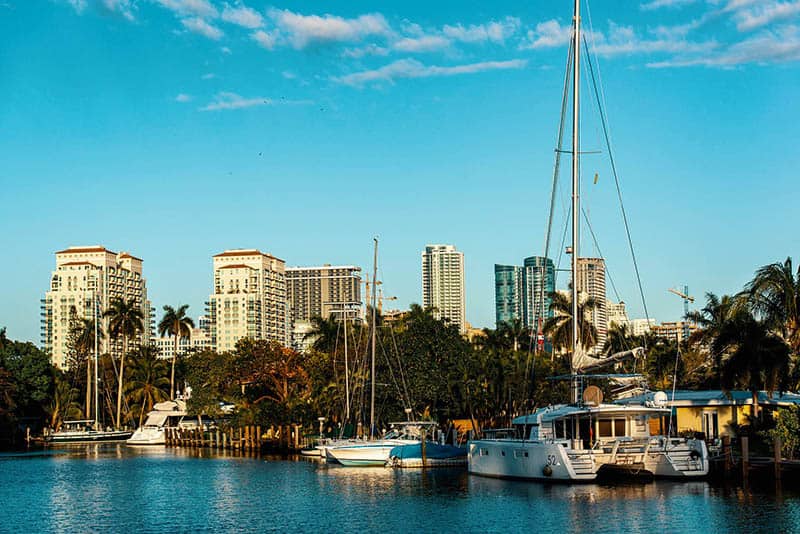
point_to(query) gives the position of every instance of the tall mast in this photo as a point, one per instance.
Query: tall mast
(374, 311)
(346, 373)
(96, 343)
(576, 62)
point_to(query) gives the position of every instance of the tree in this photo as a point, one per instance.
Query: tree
(82, 343)
(175, 323)
(559, 327)
(126, 320)
(711, 320)
(64, 403)
(324, 334)
(147, 381)
(752, 356)
(774, 296)
(618, 339)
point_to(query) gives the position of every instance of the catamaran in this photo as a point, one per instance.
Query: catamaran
(575, 441)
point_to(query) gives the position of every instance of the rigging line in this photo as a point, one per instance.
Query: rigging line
(600, 252)
(400, 369)
(389, 365)
(616, 178)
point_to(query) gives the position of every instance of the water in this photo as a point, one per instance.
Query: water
(104, 488)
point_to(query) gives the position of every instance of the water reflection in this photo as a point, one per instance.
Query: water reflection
(114, 487)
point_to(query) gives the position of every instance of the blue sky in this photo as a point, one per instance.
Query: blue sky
(174, 129)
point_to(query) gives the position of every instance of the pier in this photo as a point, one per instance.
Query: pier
(247, 439)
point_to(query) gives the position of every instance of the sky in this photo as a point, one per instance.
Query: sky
(176, 129)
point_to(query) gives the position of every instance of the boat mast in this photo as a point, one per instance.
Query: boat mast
(374, 312)
(576, 62)
(96, 395)
(346, 371)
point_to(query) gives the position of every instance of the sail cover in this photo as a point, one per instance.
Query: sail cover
(582, 362)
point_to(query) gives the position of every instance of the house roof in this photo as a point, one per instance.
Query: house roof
(78, 250)
(77, 263)
(237, 266)
(128, 255)
(717, 397)
(244, 252)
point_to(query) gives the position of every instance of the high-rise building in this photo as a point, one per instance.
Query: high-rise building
(508, 293)
(639, 327)
(443, 283)
(196, 342)
(617, 315)
(674, 330)
(539, 279)
(592, 284)
(84, 283)
(321, 292)
(249, 299)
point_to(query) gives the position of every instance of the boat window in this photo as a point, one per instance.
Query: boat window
(604, 428)
(484, 452)
(619, 427)
(559, 429)
(520, 453)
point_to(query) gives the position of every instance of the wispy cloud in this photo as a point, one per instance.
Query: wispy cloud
(658, 4)
(190, 8)
(425, 43)
(200, 26)
(265, 39)
(625, 40)
(78, 5)
(776, 46)
(411, 68)
(303, 30)
(547, 34)
(368, 50)
(208, 76)
(124, 8)
(765, 13)
(495, 31)
(243, 16)
(183, 97)
(225, 50)
(228, 101)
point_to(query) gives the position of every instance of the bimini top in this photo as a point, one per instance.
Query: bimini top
(562, 411)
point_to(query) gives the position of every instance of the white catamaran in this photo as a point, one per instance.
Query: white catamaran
(573, 442)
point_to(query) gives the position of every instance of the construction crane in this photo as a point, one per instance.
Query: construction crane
(686, 300)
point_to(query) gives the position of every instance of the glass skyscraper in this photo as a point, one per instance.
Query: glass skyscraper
(508, 293)
(539, 281)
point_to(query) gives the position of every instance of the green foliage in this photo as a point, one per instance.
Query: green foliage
(213, 379)
(787, 429)
(147, 383)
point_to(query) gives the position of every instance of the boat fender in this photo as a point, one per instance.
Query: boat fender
(547, 471)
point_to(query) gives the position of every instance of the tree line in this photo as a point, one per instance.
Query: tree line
(424, 366)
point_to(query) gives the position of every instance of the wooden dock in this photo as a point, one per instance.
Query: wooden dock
(246, 439)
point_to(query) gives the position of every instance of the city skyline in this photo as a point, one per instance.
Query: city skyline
(210, 141)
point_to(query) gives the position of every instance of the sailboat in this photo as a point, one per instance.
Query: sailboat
(87, 430)
(576, 440)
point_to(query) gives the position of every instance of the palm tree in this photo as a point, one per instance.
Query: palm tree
(175, 323)
(324, 333)
(712, 319)
(64, 404)
(83, 333)
(516, 331)
(618, 339)
(774, 296)
(559, 327)
(126, 320)
(148, 380)
(752, 355)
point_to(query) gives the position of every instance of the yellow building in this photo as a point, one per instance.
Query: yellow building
(714, 412)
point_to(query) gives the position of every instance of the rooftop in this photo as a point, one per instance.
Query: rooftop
(719, 397)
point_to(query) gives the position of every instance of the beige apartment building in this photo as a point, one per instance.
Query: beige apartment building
(592, 284)
(321, 292)
(249, 299)
(198, 341)
(84, 283)
(443, 284)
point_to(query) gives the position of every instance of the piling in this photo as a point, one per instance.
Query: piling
(777, 445)
(745, 458)
(726, 455)
(423, 451)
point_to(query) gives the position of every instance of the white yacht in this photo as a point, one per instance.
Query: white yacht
(167, 414)
(376, 453)
(84, 431)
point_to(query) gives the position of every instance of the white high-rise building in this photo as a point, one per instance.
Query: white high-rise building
(592, 284)
(443, 283)
(321, 292)
(196, 342)
(84, 283)
(249, 299)
(639, 327)
(617, 314)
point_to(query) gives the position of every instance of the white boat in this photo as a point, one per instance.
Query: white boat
(376, 453)
(84, 431)
(578, 442)
(167, 414)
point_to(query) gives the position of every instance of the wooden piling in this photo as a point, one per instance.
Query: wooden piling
(745, 458)
(258, 438)
(726, 455)
(777, 445)
(423, 450)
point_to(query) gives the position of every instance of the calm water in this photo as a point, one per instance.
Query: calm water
(114, 488)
